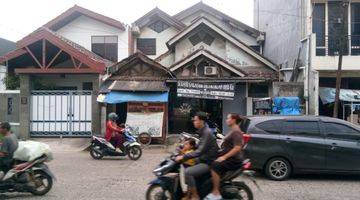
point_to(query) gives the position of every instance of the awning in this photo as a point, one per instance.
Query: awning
(327, 95)
(115, 97)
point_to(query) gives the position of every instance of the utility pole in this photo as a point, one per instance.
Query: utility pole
(342, 41)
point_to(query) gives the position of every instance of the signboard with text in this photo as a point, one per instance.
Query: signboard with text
(221, 91)
(151, 123)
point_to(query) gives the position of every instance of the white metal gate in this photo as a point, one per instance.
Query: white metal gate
(60, 113)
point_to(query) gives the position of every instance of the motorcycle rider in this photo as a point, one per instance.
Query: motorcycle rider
(9, 145)
(206, 153)
(114, 132)
(231, 157)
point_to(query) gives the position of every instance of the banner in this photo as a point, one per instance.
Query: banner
(206, 90)
(151, 123)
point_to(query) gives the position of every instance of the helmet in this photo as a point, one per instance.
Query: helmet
(113, 116)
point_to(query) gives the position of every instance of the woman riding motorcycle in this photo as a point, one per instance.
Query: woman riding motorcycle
(114, 134)
(230, 158)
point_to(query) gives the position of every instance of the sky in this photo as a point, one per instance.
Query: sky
(18, 18)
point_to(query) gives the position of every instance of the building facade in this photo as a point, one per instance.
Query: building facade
(205, 49)
(302, 38)
(82, 65)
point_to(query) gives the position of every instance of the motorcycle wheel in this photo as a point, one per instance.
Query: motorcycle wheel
(134, 152)
(156, 192)
(43, 183)
(94, 154)
(245, 192)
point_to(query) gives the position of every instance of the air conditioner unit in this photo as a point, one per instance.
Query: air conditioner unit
(210, 70)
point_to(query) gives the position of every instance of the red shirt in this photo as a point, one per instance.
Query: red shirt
(110, 129)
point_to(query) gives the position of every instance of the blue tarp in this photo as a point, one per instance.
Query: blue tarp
(286, 105)
(121, 97)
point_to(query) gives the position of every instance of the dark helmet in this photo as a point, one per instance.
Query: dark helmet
(113, 116)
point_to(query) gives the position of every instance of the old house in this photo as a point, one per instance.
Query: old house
(216, 61)
(60, 66)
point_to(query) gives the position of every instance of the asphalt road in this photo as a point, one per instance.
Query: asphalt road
(80, 177)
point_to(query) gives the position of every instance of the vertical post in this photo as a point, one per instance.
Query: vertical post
(341, 48)
(43, 53)
(95, 107)
(24, 116)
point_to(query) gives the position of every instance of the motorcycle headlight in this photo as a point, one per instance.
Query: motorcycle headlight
(157, 172)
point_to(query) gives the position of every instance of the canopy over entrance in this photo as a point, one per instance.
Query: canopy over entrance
(327, 95)
(115, 97)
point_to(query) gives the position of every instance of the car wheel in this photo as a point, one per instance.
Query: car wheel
(278, 169)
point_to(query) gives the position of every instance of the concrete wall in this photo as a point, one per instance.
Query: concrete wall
(293, 89)
(284, 22)
(82, 28)
(13, 116)
(24, 106)
(161, 38)
(2, 76)
(238, 105)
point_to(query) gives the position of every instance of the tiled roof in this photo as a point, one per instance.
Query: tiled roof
(74, 12)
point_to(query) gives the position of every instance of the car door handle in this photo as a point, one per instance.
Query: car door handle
(288, 140)
(333, 146)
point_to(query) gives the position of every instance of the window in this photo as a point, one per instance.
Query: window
(105, 46)
(318, 27)
(336, 11)
(146, 45)
(201, 36)
(355, 28)
(159, 26)
(258, 90)
(271, 126)
(302, 128)
(87, 86)
(341, 131)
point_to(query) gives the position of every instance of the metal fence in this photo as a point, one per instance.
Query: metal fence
(60, 113)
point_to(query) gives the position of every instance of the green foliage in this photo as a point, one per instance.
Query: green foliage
(12, 82)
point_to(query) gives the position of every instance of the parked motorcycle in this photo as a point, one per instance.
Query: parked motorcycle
(34, 177)
(169, 182)
(100, 147)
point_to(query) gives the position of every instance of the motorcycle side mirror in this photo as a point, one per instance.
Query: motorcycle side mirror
(220, 136)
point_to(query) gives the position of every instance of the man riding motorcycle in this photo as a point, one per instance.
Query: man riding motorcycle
(9, 144)
(114, 132)
(206, 153)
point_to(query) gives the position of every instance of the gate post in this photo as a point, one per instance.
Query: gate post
(24, 107)
(95, 121)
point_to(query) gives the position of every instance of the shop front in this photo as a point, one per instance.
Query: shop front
(135, 89)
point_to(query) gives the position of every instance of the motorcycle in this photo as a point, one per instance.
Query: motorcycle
(100, 147)
(169, 184)
(34, 177)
